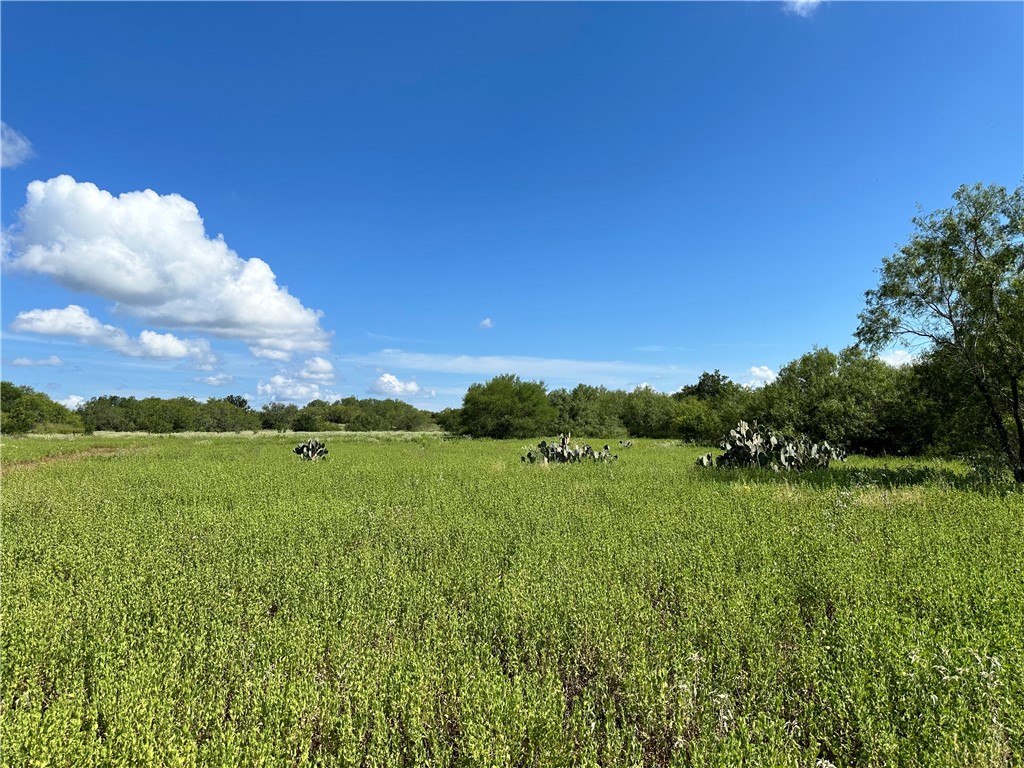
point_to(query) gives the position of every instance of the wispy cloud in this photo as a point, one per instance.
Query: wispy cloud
(15, 149)
(217, 380)
(527, 367)
(28, 361)
(486, 324)
(150, 253)
(802, 7)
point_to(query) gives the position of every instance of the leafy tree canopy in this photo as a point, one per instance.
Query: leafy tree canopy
(958, 286)
(507, 407)
(22, 409)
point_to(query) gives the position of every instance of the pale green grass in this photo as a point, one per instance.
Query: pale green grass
(212, 600)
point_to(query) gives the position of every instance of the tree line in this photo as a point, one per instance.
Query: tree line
(848, 397)
(956, 289)
(22, 409)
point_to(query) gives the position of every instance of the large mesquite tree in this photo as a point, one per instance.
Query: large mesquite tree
(958, 286)
(507, 407)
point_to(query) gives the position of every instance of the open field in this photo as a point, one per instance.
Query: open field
(211, 600)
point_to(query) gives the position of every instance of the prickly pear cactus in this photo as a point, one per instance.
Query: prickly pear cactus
(563, 453)
(311, 450)
(753, 446)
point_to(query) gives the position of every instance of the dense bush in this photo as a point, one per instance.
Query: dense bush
(22, 409)
(589, 410)
(507, 407)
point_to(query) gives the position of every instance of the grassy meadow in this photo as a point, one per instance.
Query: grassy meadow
(212, 600)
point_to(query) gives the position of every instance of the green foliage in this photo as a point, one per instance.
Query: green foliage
(958, 286)
(109, 414)
(507, 407)
(233, 414)
(238, 401)
(851, 397)
(449, 420)
(706, 410)
(226, 416)
(956, 418)
(373, 415)
(22, 409)
(278, 416)
(647, 413)
(696, 420)
(711, 386)
(586, 410)
(212, 601)
(307, 421)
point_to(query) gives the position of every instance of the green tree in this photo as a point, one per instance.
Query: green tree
(507, 407)
(449, 420)
(648, 413)
(307, 421)
(587, 410)
(950, 412)
(278, 416)
(222, 415)
(958, 286)
(109, 413)
(851, 398)
(805, 397)
(313, 417)
(710, 386)
(238, 401)
(710, 408)
(22, 409)
(696, 420)
(151, 415)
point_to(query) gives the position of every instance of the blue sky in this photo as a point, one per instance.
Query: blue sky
(290, 201)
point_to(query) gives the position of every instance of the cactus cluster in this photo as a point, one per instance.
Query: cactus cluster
(752, 446)
(311, 450)
(563, 453)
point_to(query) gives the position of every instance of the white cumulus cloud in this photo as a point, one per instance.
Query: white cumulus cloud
(281, 387)
(15, 149)
(72, 402)
(388, 384)
(317, 369)
(486, 324)
(28, 361)
(897, 358)
(759, 375)
(76, 322)
(150, 253)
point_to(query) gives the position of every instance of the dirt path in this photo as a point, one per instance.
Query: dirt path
(102, 450)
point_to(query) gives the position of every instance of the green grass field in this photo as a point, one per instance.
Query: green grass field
(211, 600)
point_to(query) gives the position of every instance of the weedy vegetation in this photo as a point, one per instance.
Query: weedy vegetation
(215, 601)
